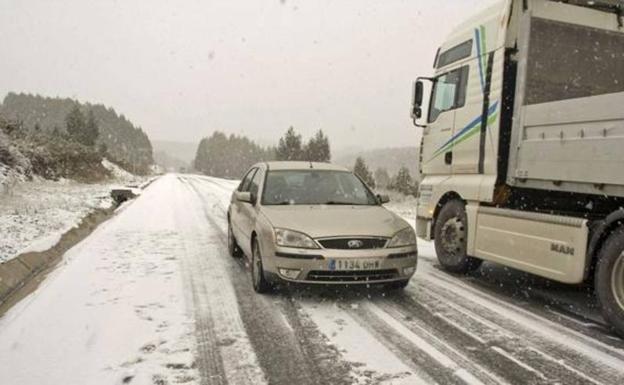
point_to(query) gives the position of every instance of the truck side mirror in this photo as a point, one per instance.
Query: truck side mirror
(417, 102)
(418, 93)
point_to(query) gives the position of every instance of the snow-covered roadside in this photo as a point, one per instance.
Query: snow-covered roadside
(37, 213)
(113, 312)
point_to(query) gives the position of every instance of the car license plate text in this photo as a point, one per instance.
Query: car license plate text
(354, 264)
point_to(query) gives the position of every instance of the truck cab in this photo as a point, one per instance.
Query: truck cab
(522, 130)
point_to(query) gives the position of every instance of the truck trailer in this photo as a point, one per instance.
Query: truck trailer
(522, 151)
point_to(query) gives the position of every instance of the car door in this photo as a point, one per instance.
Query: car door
(249, 211)
(237, 217)
(438, 138)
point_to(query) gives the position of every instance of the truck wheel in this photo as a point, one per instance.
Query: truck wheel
(233, 248)
(451, 235)
(609, 280)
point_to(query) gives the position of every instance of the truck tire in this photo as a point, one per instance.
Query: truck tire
(609, 280)
(450, 239)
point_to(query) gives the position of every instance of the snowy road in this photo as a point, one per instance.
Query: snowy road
(152, 297)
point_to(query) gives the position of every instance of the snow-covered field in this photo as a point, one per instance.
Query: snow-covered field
(152, 297)
(34, 214)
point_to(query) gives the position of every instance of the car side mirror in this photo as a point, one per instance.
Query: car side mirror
(243, 196)
(383, 198)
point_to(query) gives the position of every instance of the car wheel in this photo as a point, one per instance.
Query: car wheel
(260, 284)
(451, 235)
(609, 280)
(233, 248)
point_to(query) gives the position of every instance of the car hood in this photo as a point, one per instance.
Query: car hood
(320, 221)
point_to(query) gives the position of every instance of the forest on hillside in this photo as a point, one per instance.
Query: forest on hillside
(230, 156)
(118, 139)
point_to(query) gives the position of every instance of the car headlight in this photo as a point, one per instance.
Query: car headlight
(290, 238)
(405, 237)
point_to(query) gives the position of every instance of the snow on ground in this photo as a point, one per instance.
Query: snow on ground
(118, 172)
(37, 213)
(113, 312)
(152, 297)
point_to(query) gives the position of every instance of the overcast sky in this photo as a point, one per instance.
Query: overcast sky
(182, 69)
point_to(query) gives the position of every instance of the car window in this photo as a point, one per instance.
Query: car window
(255, 184)
(244, 185)
(313, 187)
(449, 92)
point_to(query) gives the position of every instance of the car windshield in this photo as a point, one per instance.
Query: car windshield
(315, 187)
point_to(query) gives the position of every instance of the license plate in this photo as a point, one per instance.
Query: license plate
(354, 264)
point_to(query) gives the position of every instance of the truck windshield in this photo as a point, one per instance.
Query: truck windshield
(315, 187)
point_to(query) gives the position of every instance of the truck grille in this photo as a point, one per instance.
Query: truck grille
(351, 276)
(353, 243)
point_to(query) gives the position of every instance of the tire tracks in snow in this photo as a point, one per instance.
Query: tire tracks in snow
(542, 344)
(286, 345)
(443, 328)
(225, 354)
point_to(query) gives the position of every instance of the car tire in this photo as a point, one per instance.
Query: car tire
(258, 279)
(450, 239)
(609, 280)
(233, 248)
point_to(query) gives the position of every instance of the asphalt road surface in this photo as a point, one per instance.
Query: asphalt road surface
(152, 297)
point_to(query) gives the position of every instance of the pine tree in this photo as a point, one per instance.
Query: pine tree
(223, 156)
(91, 131)
(317, 149)
(289, 146)
(382, 178)
(75, 123)
(361, 169)
(403, 182)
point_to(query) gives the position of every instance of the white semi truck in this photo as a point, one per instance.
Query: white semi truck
(522, 153)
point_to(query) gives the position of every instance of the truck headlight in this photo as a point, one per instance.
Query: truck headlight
(405, 237)
(290, 238)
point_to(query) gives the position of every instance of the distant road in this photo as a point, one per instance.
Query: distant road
(152, 297)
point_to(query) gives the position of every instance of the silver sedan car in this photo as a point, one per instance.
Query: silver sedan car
(317, 223)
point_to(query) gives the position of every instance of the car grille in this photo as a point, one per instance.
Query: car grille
(351, 276)
(362, 243)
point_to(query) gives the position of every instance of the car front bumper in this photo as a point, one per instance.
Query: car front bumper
(336, 266)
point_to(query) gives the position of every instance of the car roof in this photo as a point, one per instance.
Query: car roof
(298, 165)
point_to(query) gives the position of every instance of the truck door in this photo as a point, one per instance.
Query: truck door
(468, 130)
(449, 93)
